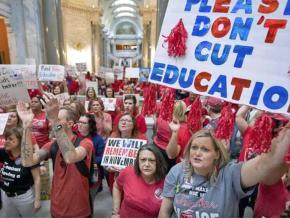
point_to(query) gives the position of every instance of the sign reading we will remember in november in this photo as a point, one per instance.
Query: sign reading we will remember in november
(236, 50)
(12, 88)
(51, 73)
(120, 153)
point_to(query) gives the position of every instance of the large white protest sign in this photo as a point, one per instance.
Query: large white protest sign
(28, 72)
(12, 88)
(51, 73)
(236, 50)
(132, 72)
(3, 121)
(121, 153)
(109, 104)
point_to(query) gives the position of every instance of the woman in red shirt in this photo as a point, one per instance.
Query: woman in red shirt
(126, 128)
(137, 190)
(130, 106)
(103, 119)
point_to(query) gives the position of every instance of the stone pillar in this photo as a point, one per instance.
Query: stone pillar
(52, 21)
(18, 27)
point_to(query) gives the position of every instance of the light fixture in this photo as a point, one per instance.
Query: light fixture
(125, 14)
(124, 8)
(121, 2)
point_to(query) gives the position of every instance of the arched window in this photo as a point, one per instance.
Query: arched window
(125, 28)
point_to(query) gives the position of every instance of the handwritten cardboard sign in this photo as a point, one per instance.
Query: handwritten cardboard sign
(12, 88)
(121, 153)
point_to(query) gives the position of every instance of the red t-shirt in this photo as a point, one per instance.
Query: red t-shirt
(140, 123)
(265, 205)
(246, 152)
(70, 190)
(182, 139)
(40, 129)
(139, 198)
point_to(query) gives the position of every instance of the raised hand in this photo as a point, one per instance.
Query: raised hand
(51, 108)
(25, 115)
(174, 125)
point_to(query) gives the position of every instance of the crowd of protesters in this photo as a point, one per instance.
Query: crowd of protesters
(199, 164)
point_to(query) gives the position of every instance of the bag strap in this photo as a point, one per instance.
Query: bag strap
(81, 165)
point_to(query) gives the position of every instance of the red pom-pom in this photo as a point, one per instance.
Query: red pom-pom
(177, 40)
(261, 134)
(150, 100)
(167, 105)
(226, 123)
(194, 117)
(34, 93)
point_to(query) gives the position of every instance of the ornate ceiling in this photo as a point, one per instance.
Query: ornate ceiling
(117, 14)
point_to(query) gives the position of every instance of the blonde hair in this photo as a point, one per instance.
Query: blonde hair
(222, 160)
(179, 111)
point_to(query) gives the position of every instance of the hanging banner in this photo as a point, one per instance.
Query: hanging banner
(51, 73)
(236, 50)
(120, 153)
(12, 88)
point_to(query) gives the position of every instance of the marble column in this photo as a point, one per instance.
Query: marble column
(52, 20)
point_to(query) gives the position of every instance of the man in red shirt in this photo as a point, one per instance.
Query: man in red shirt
(70, 189)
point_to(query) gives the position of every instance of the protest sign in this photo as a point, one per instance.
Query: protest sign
(70, 70)
(109, 103)
(121, 153)
(62, 97)
(132, 72)
(236, 50)
(109, 77)
(144, 74)
(118, 73)
(51, 73)
(81, 67)
(12, 88)
(28, 72)
(3, 121)
(92, 84)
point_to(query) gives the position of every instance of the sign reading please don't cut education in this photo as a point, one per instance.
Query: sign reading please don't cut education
(236, 50)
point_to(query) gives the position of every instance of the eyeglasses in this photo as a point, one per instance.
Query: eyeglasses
(127, 121)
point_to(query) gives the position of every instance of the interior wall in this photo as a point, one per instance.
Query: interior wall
(4, 48)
